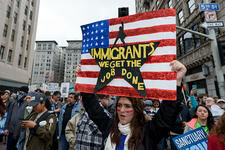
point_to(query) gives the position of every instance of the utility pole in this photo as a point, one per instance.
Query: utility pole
(216, 57)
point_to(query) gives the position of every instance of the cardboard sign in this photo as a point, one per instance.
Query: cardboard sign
(130, 56)
(193, 140)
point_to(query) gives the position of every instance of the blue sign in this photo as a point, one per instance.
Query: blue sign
(193, 140)
(209, 7)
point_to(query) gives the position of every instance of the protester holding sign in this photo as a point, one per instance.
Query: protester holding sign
(128, 129)
(216, 139)
(202, 118)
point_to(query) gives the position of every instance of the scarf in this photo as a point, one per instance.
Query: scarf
(125, 130)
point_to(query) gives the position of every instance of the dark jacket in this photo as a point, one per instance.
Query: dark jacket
(8, 103)
(41, 136)
(15, 114)
(183, 116)
(153, 131)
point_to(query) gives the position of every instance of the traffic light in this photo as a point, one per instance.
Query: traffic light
(221, 47)
(123, 11)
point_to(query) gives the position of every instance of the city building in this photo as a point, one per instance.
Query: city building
(18, 24)
(72, 59)
(48, 63)
(193, 50)
(62, 54)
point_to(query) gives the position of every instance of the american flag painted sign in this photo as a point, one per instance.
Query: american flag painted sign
(144, 28)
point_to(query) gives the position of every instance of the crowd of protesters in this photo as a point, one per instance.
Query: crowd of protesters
(40, 120)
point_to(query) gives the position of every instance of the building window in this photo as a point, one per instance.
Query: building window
(195, 36)
(170, 4)
(27, 45)
(15, 17)
(29, 27)
(191, 5)
(19, 60)
(18, 3)
(24, 25)
(188, 42)
(12, 35)
(9, 59)
(22, 39)
(25, 62)
(5, 30)
(44, 46)
(181, 16)
(8, 12)
(2, 49)
(157, 3)
(32, 3)
(26, 10)
(49, 46)
(38, 46)
(31, 15)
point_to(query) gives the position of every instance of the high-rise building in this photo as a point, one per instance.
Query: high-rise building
(48, 63)
(193, 51)
(62, 54)
(73, 56)
(18, 24)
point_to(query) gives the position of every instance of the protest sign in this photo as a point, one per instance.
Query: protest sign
(65, 89)
(130, 56)
(193, 140)
(52, 87)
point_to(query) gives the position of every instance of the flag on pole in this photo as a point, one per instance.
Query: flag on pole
(157, 26)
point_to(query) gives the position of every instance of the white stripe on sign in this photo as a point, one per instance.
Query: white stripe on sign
(146, 37)
(149, 84)
(145, 23)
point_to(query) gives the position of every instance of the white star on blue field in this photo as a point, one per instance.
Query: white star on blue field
(95, 35)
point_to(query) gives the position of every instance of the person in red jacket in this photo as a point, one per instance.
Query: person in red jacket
(216, 139)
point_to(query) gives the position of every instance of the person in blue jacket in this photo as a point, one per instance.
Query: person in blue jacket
(66, 113)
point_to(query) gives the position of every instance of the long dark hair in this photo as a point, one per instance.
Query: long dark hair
(210, 120)
(136, 125)
(2, 107)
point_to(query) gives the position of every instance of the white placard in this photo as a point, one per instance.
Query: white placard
(65, 89)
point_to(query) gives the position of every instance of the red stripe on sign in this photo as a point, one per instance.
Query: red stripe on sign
(165, 42)
(128, 91)
(146, 30)
(160, 59)
(145, 75)
(151, 59)
(143, 16)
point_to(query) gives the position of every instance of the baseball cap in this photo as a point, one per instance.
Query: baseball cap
(37, 98)
(220, 100)
(148, 103)
(7, 91)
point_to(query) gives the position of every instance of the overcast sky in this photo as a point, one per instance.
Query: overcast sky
(60, 20)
